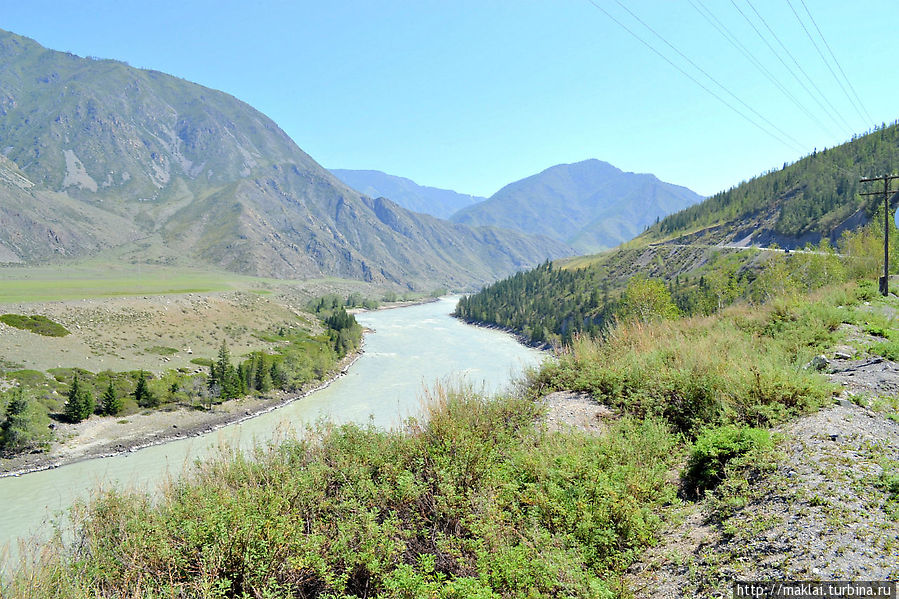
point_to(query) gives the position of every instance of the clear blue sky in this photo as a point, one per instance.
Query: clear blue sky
(471, 95)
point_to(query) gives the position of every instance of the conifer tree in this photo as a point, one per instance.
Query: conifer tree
(80, 404)
(142, 394)
(26, 425)
(111, 404)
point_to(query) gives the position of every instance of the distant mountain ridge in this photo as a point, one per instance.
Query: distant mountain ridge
(590, 205)
(98, 154)
(441, 203)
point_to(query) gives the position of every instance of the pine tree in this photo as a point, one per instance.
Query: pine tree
(263, 377)
(142, 394)
(111, 404)
(80, 404)
(26, 425)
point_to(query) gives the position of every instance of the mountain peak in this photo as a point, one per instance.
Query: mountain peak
(117, 153)
(590, 205)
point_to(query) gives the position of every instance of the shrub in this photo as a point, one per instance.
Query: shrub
(36, 324)
(714, 450)
(26, 424)
(697, 372)
(475, 502)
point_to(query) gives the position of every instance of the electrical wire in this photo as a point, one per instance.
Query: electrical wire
(837, 62)
(710, 17)
(712, 79)
(684, 73)
(832, 111)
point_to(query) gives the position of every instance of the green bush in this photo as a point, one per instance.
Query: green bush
(474, 502)
(714, 450)
(25, 425)
(732, 367)
(36, 324)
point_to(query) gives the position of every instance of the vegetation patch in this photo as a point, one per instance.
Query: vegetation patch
(162, 350)
(743, 366)
(717, 448)
(475, 502)
(889, 482)
(36, 324)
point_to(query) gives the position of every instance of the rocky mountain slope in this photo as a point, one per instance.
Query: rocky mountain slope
(590, 205)
(98, 154)
(441, 203)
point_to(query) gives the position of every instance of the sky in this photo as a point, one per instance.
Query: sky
(473, 94)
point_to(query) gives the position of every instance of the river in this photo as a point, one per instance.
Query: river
(410, 348)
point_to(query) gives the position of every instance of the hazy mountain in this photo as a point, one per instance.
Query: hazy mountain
(589, 205)
(98, 153)
(441, 203)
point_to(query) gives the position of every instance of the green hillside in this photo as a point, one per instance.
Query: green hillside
(812, 198)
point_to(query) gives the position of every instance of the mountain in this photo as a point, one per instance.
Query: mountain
(441, 203)
(590, 205)
(803, 202)
(97, 154)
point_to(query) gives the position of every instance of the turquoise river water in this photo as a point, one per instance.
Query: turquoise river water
(410, 349)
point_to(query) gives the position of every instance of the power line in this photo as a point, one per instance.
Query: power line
(785, 135)
(824, 60)
(709, 16)
(832, 111)
(706, 88)
(685, 74)
(836, 62)
(723, 29)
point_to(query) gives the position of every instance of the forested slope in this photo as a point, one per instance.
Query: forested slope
(812, 198)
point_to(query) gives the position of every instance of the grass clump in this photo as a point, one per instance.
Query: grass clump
(743, 365)
(162, 350)
(475, 502)
(36, 324)
(888, 481)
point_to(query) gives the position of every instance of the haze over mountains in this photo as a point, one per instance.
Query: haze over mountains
(99, 155)
(590, 205)
(441, 203)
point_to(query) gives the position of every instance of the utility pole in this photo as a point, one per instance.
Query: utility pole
(885, 279)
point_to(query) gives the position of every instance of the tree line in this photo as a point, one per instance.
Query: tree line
(25, 415)
(549, 305)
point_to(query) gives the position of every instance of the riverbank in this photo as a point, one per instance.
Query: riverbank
(107, 436)
(396, 304)
(525, 341)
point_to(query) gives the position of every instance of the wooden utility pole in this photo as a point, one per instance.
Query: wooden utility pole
(885, 279)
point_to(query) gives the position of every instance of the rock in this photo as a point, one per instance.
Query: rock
(819, 362)
(841, 355)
